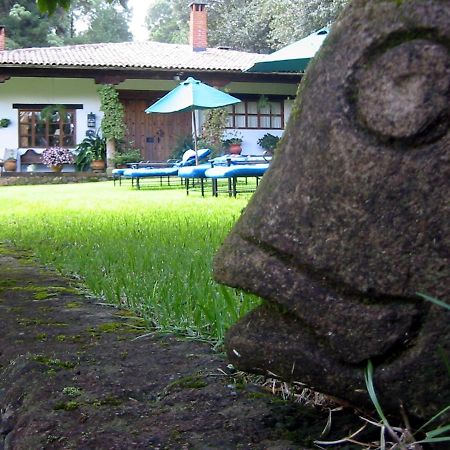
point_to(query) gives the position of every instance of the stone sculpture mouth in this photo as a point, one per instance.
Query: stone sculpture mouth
(324, 277)
(319, 302)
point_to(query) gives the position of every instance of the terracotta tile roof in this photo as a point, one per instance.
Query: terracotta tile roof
(134, 55)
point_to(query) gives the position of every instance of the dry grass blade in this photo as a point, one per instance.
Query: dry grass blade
(327, 428)
(343, 440)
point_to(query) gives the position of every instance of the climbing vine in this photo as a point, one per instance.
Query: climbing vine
(213, 129)
(112, 126)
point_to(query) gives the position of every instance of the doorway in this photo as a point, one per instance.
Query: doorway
(155, 135)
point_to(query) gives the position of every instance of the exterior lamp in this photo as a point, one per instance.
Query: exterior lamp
(91, 120)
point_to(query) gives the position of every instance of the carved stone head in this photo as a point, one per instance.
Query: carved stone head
(352, 220)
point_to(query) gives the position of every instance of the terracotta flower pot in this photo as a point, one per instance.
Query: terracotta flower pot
(57, 168)
(98, 165)
(10, 165)
(235, 149)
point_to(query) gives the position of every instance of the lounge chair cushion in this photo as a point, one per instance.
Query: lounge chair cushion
(188, 155)
(226, 160)
(194, 171)
(118, 172)
(188, 158)
(148, 173)
(251, 170)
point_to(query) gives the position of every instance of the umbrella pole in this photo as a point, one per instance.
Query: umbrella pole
(195, 137)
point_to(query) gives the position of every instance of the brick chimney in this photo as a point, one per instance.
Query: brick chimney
(198, 37)
(2, 38)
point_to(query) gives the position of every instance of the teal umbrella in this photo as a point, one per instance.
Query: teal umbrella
(192, 95)
(293, 58)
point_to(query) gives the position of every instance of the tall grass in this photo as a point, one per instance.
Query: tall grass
(150, 251)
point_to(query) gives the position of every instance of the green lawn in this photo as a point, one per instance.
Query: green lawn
(150, 251)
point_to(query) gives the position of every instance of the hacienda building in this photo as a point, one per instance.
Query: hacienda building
(142, 72)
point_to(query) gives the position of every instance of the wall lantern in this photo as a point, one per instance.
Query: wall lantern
(91, 120)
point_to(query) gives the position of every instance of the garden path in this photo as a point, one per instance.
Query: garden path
(73, 376)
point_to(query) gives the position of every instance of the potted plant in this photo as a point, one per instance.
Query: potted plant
(91, 152)
(269, 143)
(4, 123)
(121, 158)
(56, 157)
(10, 163)
(233, 143)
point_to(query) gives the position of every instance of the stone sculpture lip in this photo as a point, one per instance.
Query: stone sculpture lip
(323, 276)
(308, 295)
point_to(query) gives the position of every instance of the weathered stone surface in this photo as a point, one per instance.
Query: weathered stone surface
(352, 219)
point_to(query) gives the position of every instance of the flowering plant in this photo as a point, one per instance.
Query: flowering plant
(56, 156)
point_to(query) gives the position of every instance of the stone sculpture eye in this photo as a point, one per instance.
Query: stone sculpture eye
(403, 93)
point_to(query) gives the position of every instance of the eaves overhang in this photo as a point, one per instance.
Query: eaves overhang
(104, 73)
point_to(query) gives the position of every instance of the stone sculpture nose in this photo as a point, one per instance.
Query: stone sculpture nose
(352, 219)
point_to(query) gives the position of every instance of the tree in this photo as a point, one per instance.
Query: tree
(250, 25)
(264, 25)
(27, 27)
(106, 22)
(168, 21)
(239, 24)
(50, 6)
(295, 19)
(233, 23)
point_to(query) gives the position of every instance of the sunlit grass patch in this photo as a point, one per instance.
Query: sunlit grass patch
(150, 251)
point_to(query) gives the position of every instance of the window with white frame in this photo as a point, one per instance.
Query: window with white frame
(251, 114)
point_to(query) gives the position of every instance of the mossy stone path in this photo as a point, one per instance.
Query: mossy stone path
(73, 376)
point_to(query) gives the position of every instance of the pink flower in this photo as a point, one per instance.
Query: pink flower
(56, 156)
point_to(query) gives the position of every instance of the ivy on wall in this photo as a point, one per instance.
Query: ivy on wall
(112, 126)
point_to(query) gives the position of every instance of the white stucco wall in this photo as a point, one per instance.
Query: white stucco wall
(48, 91)
(84, 91)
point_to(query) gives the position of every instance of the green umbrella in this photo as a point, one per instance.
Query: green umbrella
(293, 58)
(192, 95)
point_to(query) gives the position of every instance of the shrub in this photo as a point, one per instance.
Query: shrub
(182, 144)
(269, 142)
(90, 149)
(127, 156)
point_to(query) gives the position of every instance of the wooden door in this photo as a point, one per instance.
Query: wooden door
(154, 134)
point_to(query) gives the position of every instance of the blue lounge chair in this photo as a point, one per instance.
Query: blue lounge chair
(196, 174)
(117, 175)
(192, 173)
(232, 173)
(188, 159)
(232, 160)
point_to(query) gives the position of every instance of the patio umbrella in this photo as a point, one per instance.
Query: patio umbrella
(192, 95)
(293, 58)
